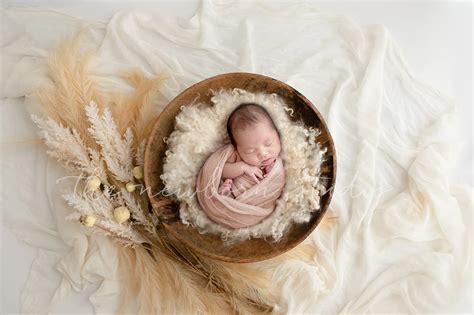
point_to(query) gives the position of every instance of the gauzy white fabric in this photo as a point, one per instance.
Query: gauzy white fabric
(401, 237)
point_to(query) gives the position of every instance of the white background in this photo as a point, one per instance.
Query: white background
(435, 38)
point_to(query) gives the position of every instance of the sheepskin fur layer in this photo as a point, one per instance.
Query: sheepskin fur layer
(200, 129)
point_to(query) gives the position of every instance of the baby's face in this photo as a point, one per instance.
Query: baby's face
(258, 144)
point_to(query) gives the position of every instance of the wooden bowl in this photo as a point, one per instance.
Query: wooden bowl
(208, 244)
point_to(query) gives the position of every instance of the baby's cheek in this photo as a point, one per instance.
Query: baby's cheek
(250, 159)
(278, 150)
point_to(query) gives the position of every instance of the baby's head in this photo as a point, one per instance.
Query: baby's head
(254, 134)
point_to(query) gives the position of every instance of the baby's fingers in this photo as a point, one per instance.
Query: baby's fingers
(255, 178)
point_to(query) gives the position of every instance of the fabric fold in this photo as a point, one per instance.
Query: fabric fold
(253, 201)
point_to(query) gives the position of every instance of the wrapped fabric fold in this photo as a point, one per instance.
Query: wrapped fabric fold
(253, 202)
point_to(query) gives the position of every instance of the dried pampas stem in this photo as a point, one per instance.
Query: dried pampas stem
(218, 288)
(139, 109)
(72, 88)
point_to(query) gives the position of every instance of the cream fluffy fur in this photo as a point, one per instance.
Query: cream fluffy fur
(201, 129)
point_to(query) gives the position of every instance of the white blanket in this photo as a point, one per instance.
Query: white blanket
(401, 240)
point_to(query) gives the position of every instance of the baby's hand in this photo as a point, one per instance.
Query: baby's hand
(253, 172)
(268, 168)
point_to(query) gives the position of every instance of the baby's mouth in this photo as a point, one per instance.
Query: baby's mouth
(267, 162)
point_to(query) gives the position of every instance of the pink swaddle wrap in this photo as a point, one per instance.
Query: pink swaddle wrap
(253, 201)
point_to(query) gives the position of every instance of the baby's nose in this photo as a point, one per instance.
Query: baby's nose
(262, 154)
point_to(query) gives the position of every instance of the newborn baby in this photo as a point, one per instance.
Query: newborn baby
(239, 184)
(257, 145)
